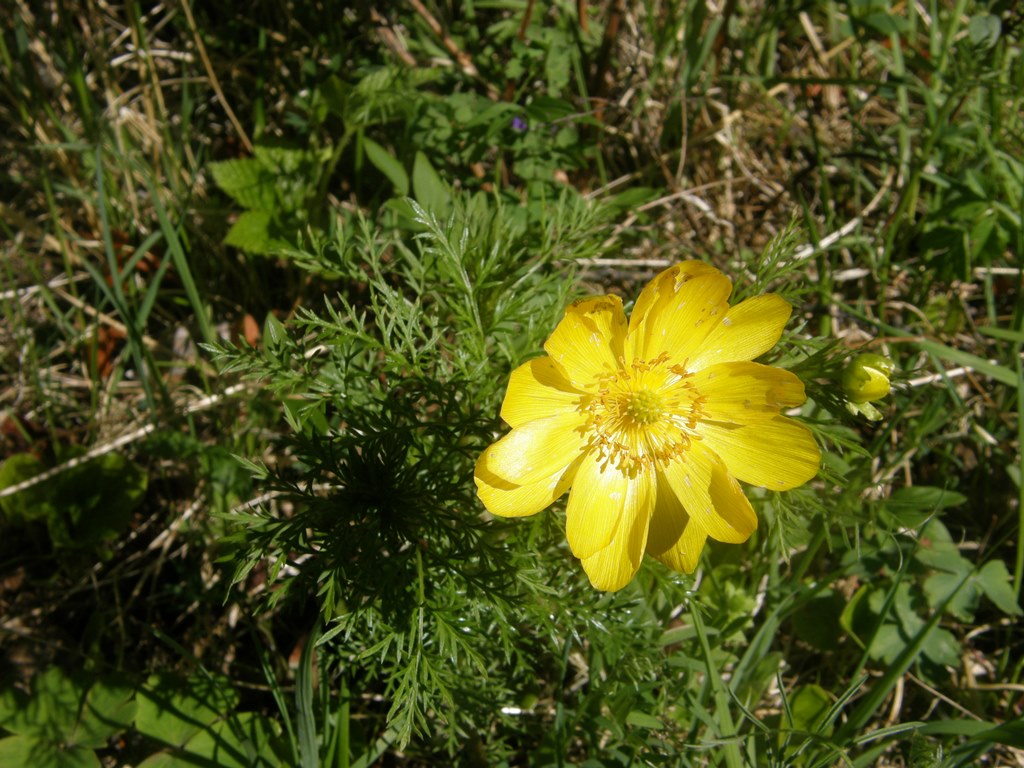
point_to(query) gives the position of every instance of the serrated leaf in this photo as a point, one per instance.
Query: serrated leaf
(251, 232)
(246, 181)
(280, 158)
(994, 580)
(386, 163)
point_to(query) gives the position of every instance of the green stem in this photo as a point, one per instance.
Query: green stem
(808, 556)
(1018, 567)
(727, 728)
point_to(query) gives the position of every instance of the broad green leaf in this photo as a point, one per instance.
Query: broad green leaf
(902, 608)
(246, 740)
(83, 505)
(808, 707)
(994, 580)
(51, 710)
(868, 705)
(386, 163)
(172, 710)
(281, 158)
(941, 647)
(887, 643)
(36, 752)
(33, 503)
(13, 701)
(936, 549)
(251, 232)
(941, 584)
(98, 498)
(428, 187)
(109, 709)
(246, 181)
(984, 29)
(885, 23)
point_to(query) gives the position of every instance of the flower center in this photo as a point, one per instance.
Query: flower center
(644, 407)
(643, 416)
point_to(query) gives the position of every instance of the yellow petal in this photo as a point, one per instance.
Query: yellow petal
(681, 317)
(731, 505)
(664, 285)
(703, 486)
(602, 499)
(588, 340)
(749, 330)
(746, 393)
(506, 499)
(684, 555)
(613, 567)
(777, 454)
(668, 521)
(537, 390)
(536, 450)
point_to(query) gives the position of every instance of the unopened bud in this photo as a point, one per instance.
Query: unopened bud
(866, 378)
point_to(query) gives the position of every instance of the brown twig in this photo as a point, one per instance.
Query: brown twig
(391, 39)
(214, 82)
(463, 58)
(611, 33)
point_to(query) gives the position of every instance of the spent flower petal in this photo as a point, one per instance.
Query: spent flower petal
(649, 423)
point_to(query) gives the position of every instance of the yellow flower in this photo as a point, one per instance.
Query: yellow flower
(650, 423)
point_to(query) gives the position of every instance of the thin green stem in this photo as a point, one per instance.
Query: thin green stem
(727, 728)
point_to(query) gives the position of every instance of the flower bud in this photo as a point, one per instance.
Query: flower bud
(866, 378)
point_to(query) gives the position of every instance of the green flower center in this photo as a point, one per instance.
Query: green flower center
(644, 407)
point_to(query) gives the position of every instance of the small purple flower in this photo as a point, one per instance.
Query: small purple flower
(519, 124)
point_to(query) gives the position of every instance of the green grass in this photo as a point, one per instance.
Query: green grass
(265, 274)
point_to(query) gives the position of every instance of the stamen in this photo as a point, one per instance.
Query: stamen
(643, 416)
